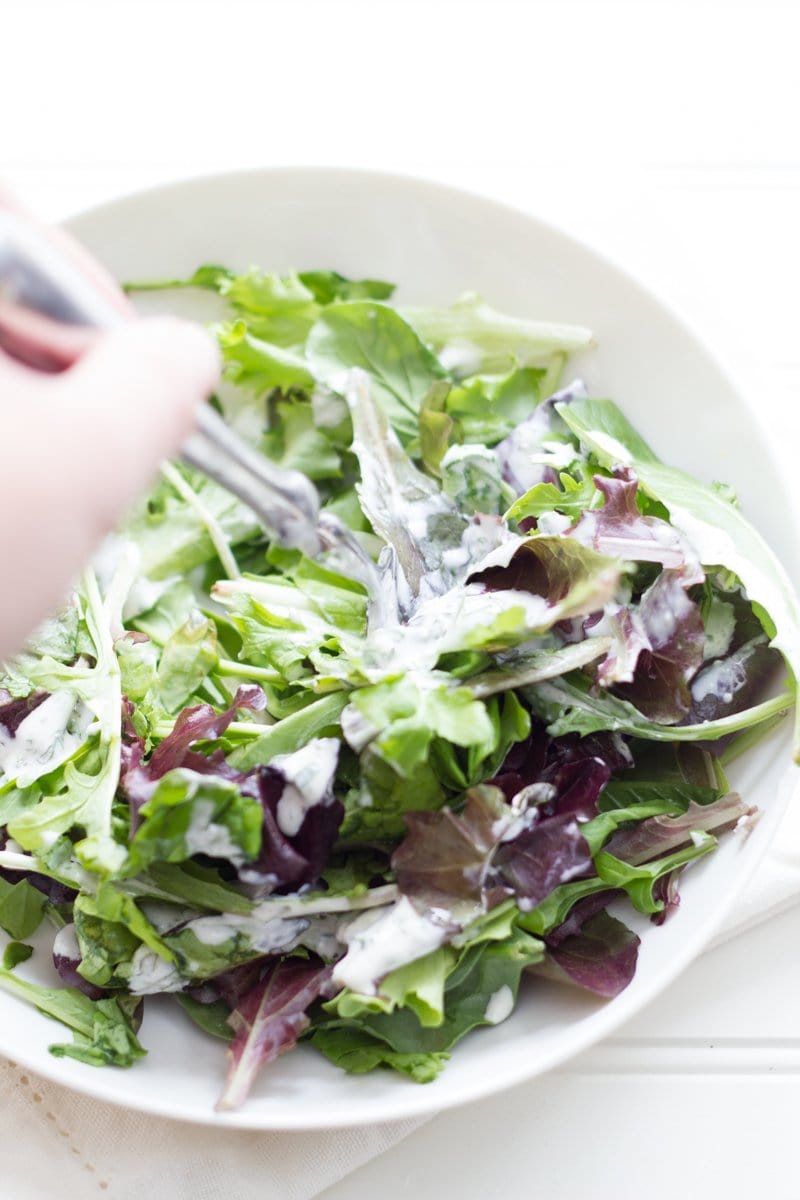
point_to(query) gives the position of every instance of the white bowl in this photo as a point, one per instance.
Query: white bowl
(437, 242)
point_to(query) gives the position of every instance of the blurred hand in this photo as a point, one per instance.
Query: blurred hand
(79, 445)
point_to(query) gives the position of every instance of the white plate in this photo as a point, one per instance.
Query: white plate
(436, 242)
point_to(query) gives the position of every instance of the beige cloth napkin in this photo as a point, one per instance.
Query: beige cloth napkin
(59, 1144)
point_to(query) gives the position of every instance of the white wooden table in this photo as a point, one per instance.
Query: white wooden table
(667, 135)
(698, 1096)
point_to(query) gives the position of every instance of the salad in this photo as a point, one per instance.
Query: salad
(357, 799)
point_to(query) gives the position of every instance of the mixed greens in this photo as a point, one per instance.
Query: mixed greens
(358, 807)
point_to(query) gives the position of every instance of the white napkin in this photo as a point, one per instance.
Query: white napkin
(65, 1144)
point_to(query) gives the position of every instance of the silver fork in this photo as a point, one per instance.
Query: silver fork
(38, 280)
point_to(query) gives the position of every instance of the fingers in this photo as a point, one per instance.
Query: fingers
(40, 342)
(80, 446)
(88, 265)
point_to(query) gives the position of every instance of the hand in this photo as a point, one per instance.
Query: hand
(78, 446)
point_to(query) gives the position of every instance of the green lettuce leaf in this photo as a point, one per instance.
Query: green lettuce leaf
(189, 814)
(375, 338)
(490, 339)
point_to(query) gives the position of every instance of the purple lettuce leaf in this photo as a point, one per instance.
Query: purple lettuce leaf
(278, 861)
(488, 852)
(448, 855)
(621, 531)
(600, 958)
(657, 836)
(665, 892)
(672, 625)
(230, 985)
(551, 852)
(267, 1022)
(557, 569)
(580, 913)
(301, 816)
(628, 642)
(200, 723)
(524, 763)
(573, 770)
(14, 711)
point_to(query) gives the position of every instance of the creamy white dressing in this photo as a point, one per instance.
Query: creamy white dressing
(150, 974)
(205, 836)
(357, 730)
(46, 739)
(500, 1005)
(375, 898)
(721, 679)
(164, 916)
(397, 936)
(553, 524)
(501, 554)
(609, 445)
(65, 944)
(455, 559)
(321, 936)
(461, 358)
(470, 451)
(309, 775)
(558, 455)
(440, 624)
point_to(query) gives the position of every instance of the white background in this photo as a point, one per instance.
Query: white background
(668, 134)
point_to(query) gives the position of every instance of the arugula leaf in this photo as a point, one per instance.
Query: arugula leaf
(16, 953)
(357, 1052)
(573, 498)
(21, 908)
(639, 881)
(189, 883)
(524, 668)
(102, 1032)
(568, 706)
(327, 286)
(211, 1018)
